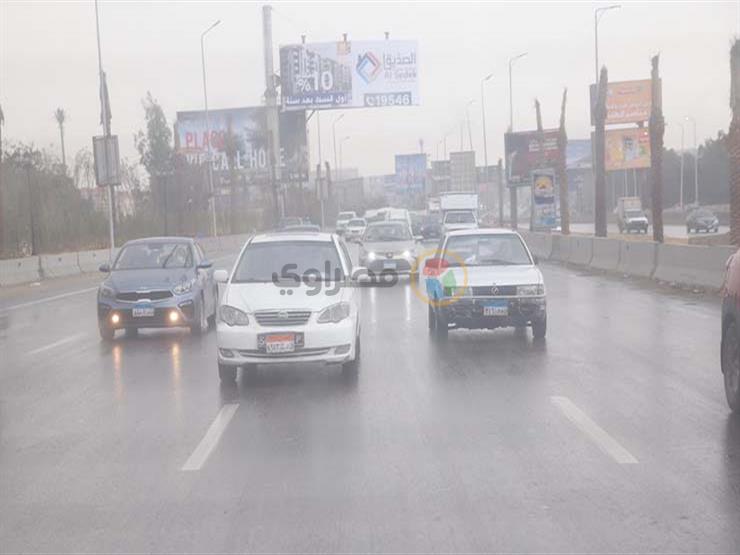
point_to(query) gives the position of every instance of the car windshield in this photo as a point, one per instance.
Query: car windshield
(387, 232)
(280, 260)
(356, 223)
(486, 250)
(345, 215)
(154, 255)
(460, 218)
(633, 213)
(703, 214)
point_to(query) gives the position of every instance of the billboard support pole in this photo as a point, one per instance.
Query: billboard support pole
(211, 190)
(273, 128)
(598, 157)
(657, 129)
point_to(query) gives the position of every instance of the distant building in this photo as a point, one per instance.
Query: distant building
(463, 175)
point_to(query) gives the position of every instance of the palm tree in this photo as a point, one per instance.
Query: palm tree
(657, 129)
(733, 144)
(61, 116)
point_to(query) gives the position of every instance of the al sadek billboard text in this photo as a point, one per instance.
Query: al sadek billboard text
(352, 74)
(626, 101)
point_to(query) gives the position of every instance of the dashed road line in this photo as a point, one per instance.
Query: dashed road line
(209, 442)
(59, 343)
(595, 433)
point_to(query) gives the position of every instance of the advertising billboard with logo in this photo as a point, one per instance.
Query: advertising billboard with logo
(523, 154)
(356, 74)
(627, 149)
(626, 101)
(544, 211)
(239, 137)
(411, 173)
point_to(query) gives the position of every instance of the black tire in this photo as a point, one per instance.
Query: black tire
(441, 329)
(730, 358)
(431, 319)
(201, 322)
(227, 374)
(353, 365)
(688, 230)
(106, 333)
(132, 332)
(539, 328)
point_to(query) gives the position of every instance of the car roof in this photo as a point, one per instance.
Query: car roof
(387, 222)
(482, 231)
(160, 240)
(287, 235)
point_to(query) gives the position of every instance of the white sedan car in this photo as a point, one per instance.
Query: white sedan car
(485, 278)
(289, 298)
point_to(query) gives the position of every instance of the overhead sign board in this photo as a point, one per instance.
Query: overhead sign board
(238, 138)
(626, 101)
(107, 161)
(527, 151)
(627, 149)
(411, 173)
(356, 74)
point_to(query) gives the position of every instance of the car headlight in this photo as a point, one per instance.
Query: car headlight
(530, 290)
(232, 316)
(334, 313)
(407, 254)
(371, 255)
(107, 292)
(184, 287)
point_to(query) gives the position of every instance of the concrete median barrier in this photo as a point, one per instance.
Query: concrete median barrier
(581, 250)
(90, 261)
(638, 258)
(59, 265)
(605, 254)
(692, 265)
(560, 248)
(19, 270)
(540, 244)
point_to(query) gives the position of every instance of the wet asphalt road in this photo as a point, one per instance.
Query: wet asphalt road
(611, 436)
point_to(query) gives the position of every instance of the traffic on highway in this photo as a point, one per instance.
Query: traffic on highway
(313, 278)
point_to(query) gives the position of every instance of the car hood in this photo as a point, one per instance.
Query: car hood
(252, 297)
(456, 226)
(135, 280)
(497, 275)
(388, 246)
(636, 219)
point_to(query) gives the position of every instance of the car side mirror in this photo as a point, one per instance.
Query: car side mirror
(105, 268)
(358, 272)
(205, 265)
(221, 276)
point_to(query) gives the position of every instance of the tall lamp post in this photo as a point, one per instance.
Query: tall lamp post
(598, 13)
(483, 119)
(511, 89)
(696, 162)
(680, 197)
(214, 229)
(467, 119)
(334, 136)
(341, 142)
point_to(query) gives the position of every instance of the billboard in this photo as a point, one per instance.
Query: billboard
(578, 154)
(411, 173)
(239, 138)
(356, 74)
(523, 154)
(626, 101)
(544, 211)
(627, 149)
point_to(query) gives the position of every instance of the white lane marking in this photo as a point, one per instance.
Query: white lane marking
(206, 446)
(47, 299)
(59, 343)
(598, 435)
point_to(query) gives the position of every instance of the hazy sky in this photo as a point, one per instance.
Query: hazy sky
(48, 58)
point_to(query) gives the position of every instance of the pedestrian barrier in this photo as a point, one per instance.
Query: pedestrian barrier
(581, 250)
(19, 270)
(59, 265)
(637, 258)
(605, 254)
(692, 265)
(90, 261)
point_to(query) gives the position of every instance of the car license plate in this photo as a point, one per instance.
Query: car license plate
(282, 343)
(496, 308)
(389, 265)
(143, 311)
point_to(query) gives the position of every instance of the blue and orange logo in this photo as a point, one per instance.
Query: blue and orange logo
(368, 67)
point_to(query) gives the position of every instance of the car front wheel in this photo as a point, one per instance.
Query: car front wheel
(106, 333)
(539, 328)
(441, 328)
(352, 365)
(227, 374)
(731, 365)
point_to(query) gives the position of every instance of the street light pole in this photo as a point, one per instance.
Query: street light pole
(467, 118)
(483, 119)
(598, 13)
(334, 137)
(696, 162)
(340, 153)
(511, 91)
(214, 229)
(680, 198)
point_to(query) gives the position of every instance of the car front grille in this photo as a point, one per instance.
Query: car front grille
(297, 353)
(275, 318)
(489, 291)
(134, 296)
